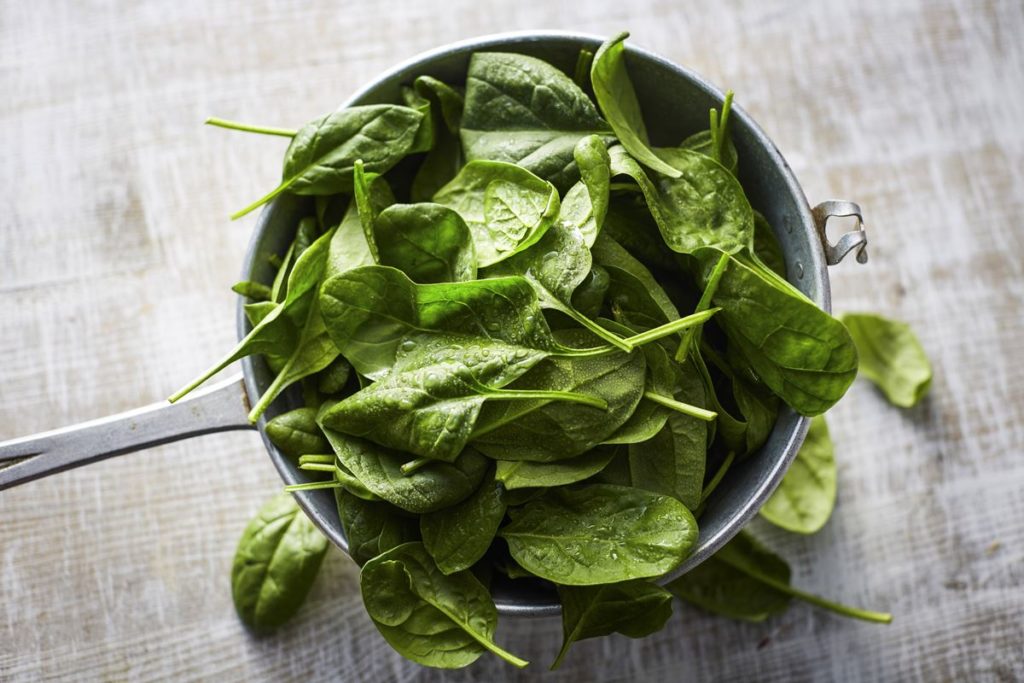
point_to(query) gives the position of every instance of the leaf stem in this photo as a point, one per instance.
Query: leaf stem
(545, 395)
(680, 407)
(717, 479)
(607, 335)
(313, 486)
(317, 467)
(415, 464)
(318, 459)
(247, 128)
(671, 328)
(265, 198)
(705, 301)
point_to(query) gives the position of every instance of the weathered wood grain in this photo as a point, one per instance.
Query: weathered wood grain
(116, 257)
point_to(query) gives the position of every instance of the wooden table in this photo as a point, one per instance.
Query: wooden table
(116, 256)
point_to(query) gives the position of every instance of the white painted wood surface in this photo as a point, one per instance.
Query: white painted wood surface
(116, 257)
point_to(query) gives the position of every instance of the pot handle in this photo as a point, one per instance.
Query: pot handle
(854, 239)
(220, 408)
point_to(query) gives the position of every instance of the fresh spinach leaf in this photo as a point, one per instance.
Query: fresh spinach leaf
(458, 536)
(804, 500)
(524, 111)
(332, 379)
(322, 155)
(633, 608)
(521, 474)
(256, 291)
(296, 433)
(600, 534)
(767, 249)
(891, 356)
(428, 242)
(506, 207)
(428, 617)
(588, 299)
(619, 104)
(277, 559)
(372, 528)
(444, 159)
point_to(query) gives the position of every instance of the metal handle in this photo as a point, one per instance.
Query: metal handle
(220, 408)
(854, 239)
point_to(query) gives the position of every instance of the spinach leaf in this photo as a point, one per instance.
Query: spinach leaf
(633, 608)
(430, 488)
(546, 430)
(430, 618)
(805, 497)
(322, 155)
(588, 299)
(600, 534)
(619, 104)
(715, 142)
(804, 355)
(333, 378)
(767, 249)
(663, 378)
(458, 536)
(633, 291)
(277, 559)
(429, 402)
(255, 291)
(891, 356)
(703, 207)
(428, 242)
(745, 580)
(520, 474)
(296, 433)
(524, 111)
(444, 159)
(588, 211)
(372, 528)
(369, 310)
(506, 207)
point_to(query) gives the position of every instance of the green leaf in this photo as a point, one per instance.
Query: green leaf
(891, 356)
(633, 290)
(429, 402)
(277, 559)
(588, 299)
(804, 355)
(432, 619)
(428, 242)
(520, 474)
(255, 291)
(716, 586)
(524, 111)
(429, 488)
(296, 433)
(372, 528)
(333, 378)
(600, 534)
(633, 608)
(506, 207)
(369, 310)
(805, 497)
(545, 430)
(458, 536)
(767, 249)
(702, 143)
(585, 205)
(703, 207)
(322, 155)
(619, 104)
(444, 159)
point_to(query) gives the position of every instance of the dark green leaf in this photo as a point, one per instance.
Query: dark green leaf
(296, 433)
(520, 474)
(458, 536)
(428, 242)
(372, 528)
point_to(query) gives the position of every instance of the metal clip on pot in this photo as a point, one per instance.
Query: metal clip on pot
(854, 239)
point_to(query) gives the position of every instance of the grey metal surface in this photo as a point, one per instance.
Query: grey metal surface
(222, 407)
(854, 239)
(661, 86)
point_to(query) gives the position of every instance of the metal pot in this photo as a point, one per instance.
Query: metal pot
(676, 101)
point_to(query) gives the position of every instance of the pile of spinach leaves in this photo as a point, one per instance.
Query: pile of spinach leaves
(530, 343)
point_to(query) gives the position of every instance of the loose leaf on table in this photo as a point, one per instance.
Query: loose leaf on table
(322, 155)
(430, 488)
(799, 351)
(276, 333)
(428, 242)
(444, 159)
(458, 536)
(429, 402)
(277, 559)
(618, 102)
(546, 430)
(520, 474)
(296, 433)
(432, 619)
(369, 310)
(891, 356)
(372, 527)
(745, 580)
(704, 207)
(600, 534)
(506, 207)
(524, 111)
(804, 500)
(633, 608)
